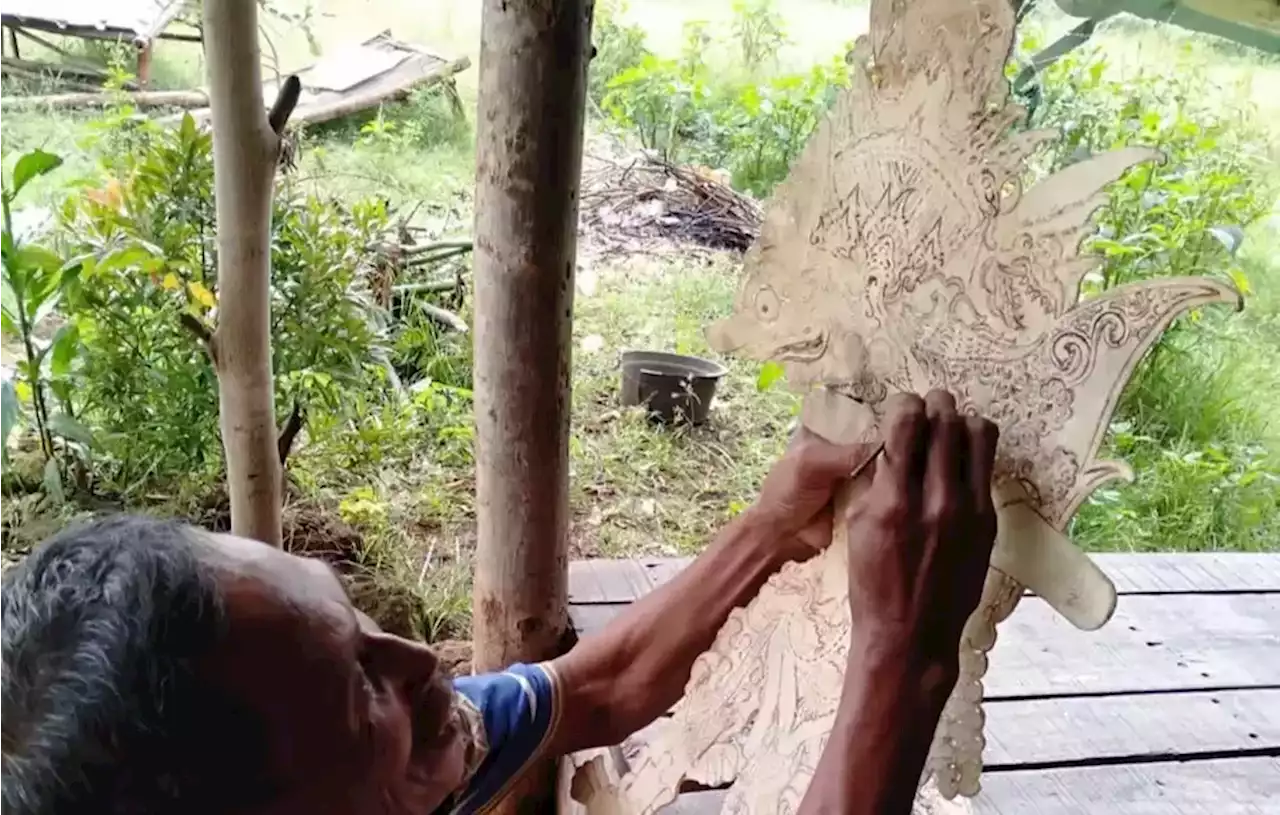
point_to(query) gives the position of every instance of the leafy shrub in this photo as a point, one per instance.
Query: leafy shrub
(145, 242)
(1186, 422)
(760, 30)
(766, 126)
(619, 47)
(1175, 218)
(752, 127)
(35, 281)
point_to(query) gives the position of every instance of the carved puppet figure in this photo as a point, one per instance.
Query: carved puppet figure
(902, 253)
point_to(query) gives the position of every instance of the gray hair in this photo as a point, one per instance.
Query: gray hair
(103, 709)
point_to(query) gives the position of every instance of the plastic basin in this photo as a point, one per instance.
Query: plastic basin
(675, 388)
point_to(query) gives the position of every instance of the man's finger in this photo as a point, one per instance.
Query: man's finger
(983, 437)
(946, 469)
(825, 462)
(906, 439)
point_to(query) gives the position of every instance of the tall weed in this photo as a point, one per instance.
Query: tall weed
(750, 123)
(1192, 422)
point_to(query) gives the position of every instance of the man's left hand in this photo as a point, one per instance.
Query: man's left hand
(796, 498)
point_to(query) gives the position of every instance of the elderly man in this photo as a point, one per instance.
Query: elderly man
(154, 668)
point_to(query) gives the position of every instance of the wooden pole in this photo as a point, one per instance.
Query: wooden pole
(144, 64)
(528, 163)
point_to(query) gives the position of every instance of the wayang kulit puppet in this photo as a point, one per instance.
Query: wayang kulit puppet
(903, 254)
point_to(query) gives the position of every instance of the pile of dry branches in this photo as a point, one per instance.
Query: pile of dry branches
(630, 201)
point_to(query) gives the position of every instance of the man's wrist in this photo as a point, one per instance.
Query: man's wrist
(776, 533)
(892, 657)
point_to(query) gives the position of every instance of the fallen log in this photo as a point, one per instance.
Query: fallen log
(56, 69)
(99, 99)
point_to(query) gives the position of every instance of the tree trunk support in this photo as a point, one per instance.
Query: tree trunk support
(528, 164)
(246, 147)
(144, 64)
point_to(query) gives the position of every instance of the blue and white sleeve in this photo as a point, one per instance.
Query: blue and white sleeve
(520, 710)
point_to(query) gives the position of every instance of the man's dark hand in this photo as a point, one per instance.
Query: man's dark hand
(796, 497)
(920, 537)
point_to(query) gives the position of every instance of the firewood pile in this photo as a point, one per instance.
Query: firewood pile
(629, 202)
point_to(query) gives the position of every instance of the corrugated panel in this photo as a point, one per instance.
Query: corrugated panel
(136, 16)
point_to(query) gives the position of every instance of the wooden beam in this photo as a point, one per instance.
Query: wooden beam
(529, 132)
(102, 99)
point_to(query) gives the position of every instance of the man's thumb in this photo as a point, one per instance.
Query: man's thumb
(835, 462)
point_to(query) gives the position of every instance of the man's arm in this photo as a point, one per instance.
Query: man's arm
(620, 680)
(876, 752)
(616, 682)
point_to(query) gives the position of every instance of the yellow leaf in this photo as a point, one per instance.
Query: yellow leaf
(1241, 281)
(110, 196)
(202, 295)
(170, 282)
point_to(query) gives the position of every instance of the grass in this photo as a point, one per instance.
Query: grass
(1201, 424)
(639, 488)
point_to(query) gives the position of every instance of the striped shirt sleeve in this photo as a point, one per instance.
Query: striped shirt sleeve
(520, 710)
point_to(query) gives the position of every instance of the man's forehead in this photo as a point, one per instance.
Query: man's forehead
(299, 581)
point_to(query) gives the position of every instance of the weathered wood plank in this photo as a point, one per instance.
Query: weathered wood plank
(583, 585)
(1154, 643)
(1242, 786)
(607, 581)
(663, 569)
(1196, 572)
(1134, 728)
(1200, 572)
(1078, 729)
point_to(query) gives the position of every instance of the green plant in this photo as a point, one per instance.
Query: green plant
(760, 30)
(379, 130)
(658, 101)
(1188, 422)
(425, 350)
(767, 125)
(145, 241)
(619, 47)
(753, 127)
(1169, 218)
(35, 281)
(431, 116)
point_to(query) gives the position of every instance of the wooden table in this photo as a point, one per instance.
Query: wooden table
(1172, 707)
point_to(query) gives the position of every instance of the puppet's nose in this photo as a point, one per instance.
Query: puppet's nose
(729, 334)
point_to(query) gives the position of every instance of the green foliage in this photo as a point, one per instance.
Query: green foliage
(425, 350)
(432, 116)
(690, 113)
(619, 47)
(35, 282)
(1185, 422)
(148, 287)
(760, 30)
(1170, 218)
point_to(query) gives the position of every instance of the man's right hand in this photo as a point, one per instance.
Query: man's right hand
(920, 538)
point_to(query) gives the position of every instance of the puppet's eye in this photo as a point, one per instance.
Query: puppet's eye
(767, 304)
